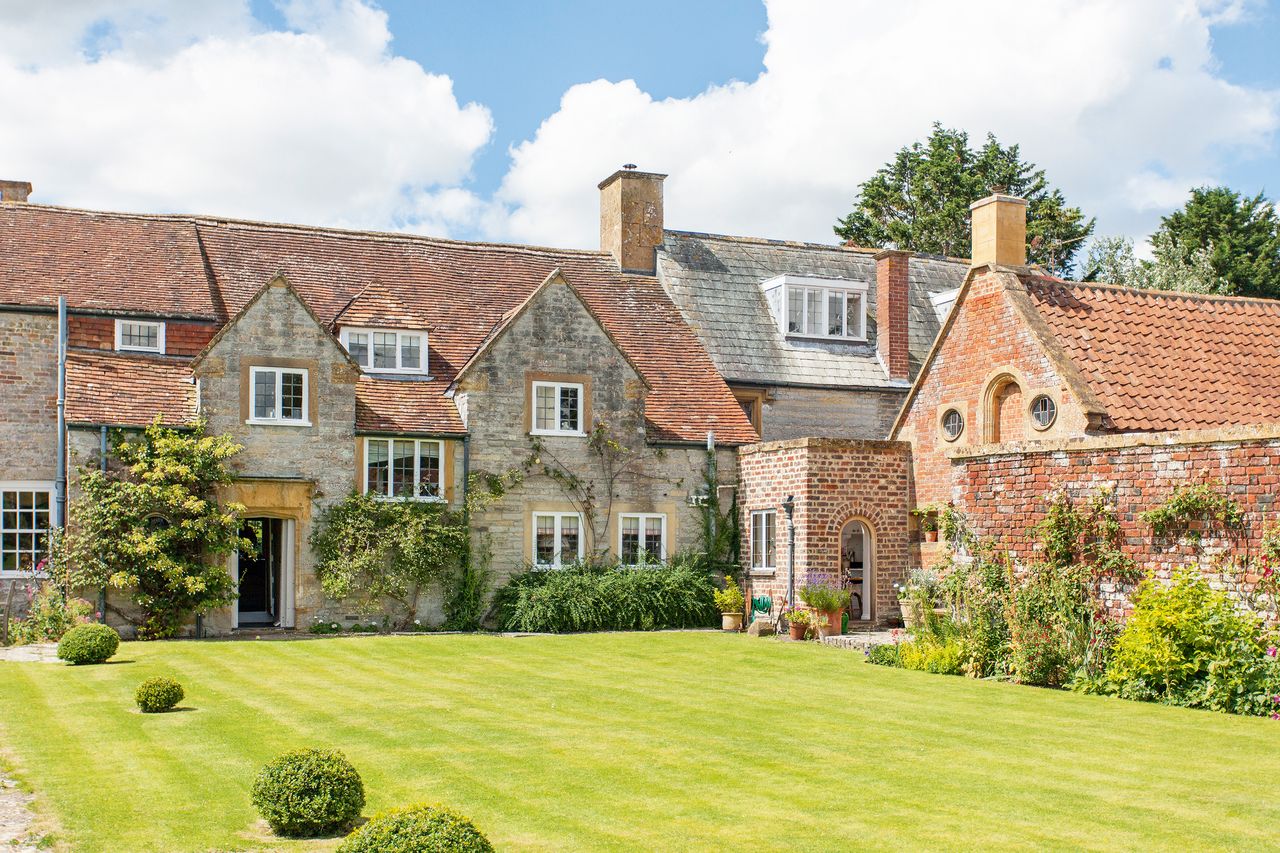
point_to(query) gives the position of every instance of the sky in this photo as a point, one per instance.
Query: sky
(496, 120)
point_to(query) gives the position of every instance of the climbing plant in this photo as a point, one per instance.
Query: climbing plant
(1191, 508)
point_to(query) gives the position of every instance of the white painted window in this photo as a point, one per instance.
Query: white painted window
(25, 518)
(139, 336)
(819, 308)
(278, 395)
(387, 350)
(642, 538)
(557, 408)
(557, 539)
(406, 468)
(764, 540)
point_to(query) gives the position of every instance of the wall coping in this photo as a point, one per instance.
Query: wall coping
(1087, 444)
(819, 443)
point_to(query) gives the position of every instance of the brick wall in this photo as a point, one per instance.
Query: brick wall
(181, 337)
(833, 482)
(1002, 493)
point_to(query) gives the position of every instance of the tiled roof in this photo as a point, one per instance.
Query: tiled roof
(458, 291)
(405, 405)
(1167, 361)
(715, 280)
(128, 390)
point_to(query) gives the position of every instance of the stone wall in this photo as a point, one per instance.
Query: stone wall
(29, 376)
(556, 336)
(833, 482)
(795, 412)
(1002, 491)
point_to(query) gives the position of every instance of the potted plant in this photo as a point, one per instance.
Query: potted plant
(731, 604)
(928, 515)
(918, 594)
(802, 623)
(828, 600)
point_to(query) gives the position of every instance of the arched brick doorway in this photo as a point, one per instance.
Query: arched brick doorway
(857, 568)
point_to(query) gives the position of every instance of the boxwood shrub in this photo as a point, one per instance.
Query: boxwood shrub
(308, 793)
(417, 828)
(157, 695)
(92, 643)
(609, 598)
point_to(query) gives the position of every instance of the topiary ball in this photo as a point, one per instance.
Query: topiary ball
(420, 828)
(308, 792)
(92, 643)
(156, 695)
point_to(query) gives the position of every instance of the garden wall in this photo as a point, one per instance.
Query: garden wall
(1002, 492)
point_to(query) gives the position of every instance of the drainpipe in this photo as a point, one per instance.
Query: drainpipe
(789, 506)
(102, 466)
(713, 491)
(60, 482)
(466, 475)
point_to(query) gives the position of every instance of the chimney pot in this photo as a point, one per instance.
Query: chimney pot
(893, 270)
(15, 190)
(999, 228)
(631, 218)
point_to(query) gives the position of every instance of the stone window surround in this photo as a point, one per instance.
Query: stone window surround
(534, 378)
(755, 399)
(438, 497)
(1031, 411)
(371, 331)
(310, 369)
(121, 346)
(559, 516)
(44, 486)
(663, 550)
(964, 421)
(766, 568)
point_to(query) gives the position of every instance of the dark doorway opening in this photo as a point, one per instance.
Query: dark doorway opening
(261, 571)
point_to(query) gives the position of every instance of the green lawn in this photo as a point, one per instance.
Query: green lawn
(677, 741)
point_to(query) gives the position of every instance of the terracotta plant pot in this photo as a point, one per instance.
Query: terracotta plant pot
(798, 632)
(731, 621)
(832, 628)
(931, 536)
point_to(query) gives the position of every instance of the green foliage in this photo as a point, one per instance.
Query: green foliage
(308, 793)
(370, 551)
(50, 614)
(419, 828)
(718, 533)
(1090, 538)
(607, 598)
(159, 694)
(824, 597)
(931, 654)
(920, 200)
(324, 626)
(730, 599)
(87, 644)
(467, 588)
(1239, 236)
(978, 589)
(1189, 506)
(883, 654)
(157, 530)
(1187, 644)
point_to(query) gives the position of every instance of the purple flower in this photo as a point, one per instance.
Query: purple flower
(1271, 650)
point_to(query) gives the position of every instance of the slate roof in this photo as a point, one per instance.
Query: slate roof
(716, 282)
(210, 268)
(1167, 361)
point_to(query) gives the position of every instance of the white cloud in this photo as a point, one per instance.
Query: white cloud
(1120, 102)
(157, 106)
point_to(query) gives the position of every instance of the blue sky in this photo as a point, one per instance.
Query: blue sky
(495, 120)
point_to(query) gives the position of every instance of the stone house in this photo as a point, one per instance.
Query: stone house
(813, 339)
(345, 360)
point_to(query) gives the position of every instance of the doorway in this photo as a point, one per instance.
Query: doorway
(264, 575)
(856, 561)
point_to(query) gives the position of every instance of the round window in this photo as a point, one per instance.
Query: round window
(1043, 411)
(952, 424)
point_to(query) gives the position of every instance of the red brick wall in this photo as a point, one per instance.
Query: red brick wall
(1003, 494)
(891, 312)
(180, 337)
(834, 481)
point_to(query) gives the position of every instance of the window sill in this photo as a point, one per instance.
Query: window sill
(423, 499)
(259, 422)
(150, 350)
(830, 339)
(763, 573)
(393, 371)
(20, 575)
(555, 432)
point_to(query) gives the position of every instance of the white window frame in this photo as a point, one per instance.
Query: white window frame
(769, 564)
(368, 367)
(276, 420)
(122, 347)
(643, 517)
(558, 560)
(556, 388)
(852, 331)
(438, 497)
(29, 486)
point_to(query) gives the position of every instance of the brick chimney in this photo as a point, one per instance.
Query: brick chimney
(15, 190)
(999, 231)
(892, 267)
(631, 218)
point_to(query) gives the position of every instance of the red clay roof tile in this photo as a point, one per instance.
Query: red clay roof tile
(128, 390)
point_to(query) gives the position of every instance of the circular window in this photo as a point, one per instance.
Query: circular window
(952, 424)
(1043, 411)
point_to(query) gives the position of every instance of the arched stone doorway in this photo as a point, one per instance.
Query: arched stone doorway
(857, 567)
(1004, 417)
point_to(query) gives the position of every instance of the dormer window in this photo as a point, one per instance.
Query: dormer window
(139, 336)
(818, 308)
(387, 350)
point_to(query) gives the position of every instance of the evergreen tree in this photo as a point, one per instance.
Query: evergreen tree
(1237, 238)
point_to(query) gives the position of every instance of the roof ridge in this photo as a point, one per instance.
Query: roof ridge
(805, 244)
(210, 220)
(1147, 291)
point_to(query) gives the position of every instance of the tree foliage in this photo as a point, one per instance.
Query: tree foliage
(920, 200)
(156, 528)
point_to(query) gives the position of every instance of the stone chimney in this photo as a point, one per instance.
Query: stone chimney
(892, 268)
(999, 231)
(631, 218)
(15, 190)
